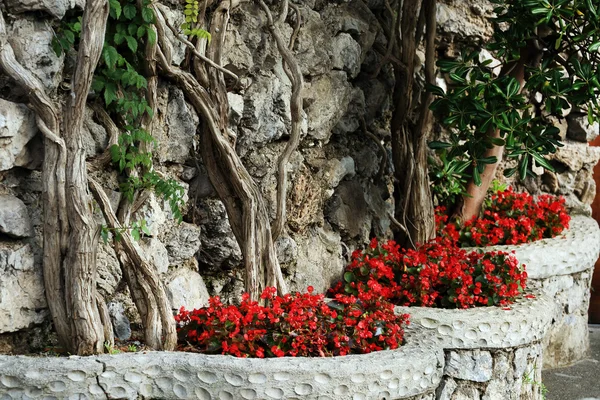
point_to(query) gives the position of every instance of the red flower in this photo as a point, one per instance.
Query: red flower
(510, 218)
(293, 325)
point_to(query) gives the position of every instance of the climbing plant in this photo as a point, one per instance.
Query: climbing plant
(192, 17)
(114, 43)
(118, 80)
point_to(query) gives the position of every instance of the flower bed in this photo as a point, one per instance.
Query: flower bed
(468, 302)
(297, 325)
(508, 218)
(559, 262)
(562, 268)
(436, 274)
(491, 352)
(410, 372)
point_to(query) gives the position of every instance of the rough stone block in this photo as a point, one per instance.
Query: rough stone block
(186, 288)
(580, 129)
(473, 365)
(22, 298)
(56, 8)
(17, 129)
(14, 218)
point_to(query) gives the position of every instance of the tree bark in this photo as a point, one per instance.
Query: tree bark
(149, 283)
(80, 262)
(241, 196)
(414, 207)
(55, 214)
(70, 237)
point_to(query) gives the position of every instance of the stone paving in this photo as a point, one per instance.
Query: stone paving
(580, 381)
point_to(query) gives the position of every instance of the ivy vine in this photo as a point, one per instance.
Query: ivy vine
(122, 87)
(192, 14)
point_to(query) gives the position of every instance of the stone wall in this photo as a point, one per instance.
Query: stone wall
(490, 352)
(508, 374)
(335, 200)
(410, 373)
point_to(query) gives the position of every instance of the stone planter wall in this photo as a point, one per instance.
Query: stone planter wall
(491, 352)
(411, 372)
(562, 268)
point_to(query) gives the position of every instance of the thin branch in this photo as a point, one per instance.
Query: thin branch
(392, 39)
(284, 11)
(201, 56)
(142, 266)
(100, 162)
(384, 156)
(296, 110)
(296, 26)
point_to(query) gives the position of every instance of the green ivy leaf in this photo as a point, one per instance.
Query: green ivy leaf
(110, 93)
(148, 15)
(104, 234)
(119, 38)
(56, 47)
(145, 228)
(151, 36)
(115, 9)
(141, 31)
(129, 11)
(115, 153)
(98, 83)
(69, 36)
(132, 29)
(135, 233)
(131, 43)
(110, 56)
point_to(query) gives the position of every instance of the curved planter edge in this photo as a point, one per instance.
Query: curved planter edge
(490, 352)
(411, 370)
(526, 320)
(562, 268)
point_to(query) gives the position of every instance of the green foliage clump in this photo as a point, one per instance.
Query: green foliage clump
(563, 36)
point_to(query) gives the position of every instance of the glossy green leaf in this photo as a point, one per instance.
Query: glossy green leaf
(439, 145)
(542, 161)
(523, 165)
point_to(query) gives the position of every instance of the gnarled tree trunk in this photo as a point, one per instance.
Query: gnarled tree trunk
(411, 120)
(80, 261)
(70, 237)
(206, 90)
